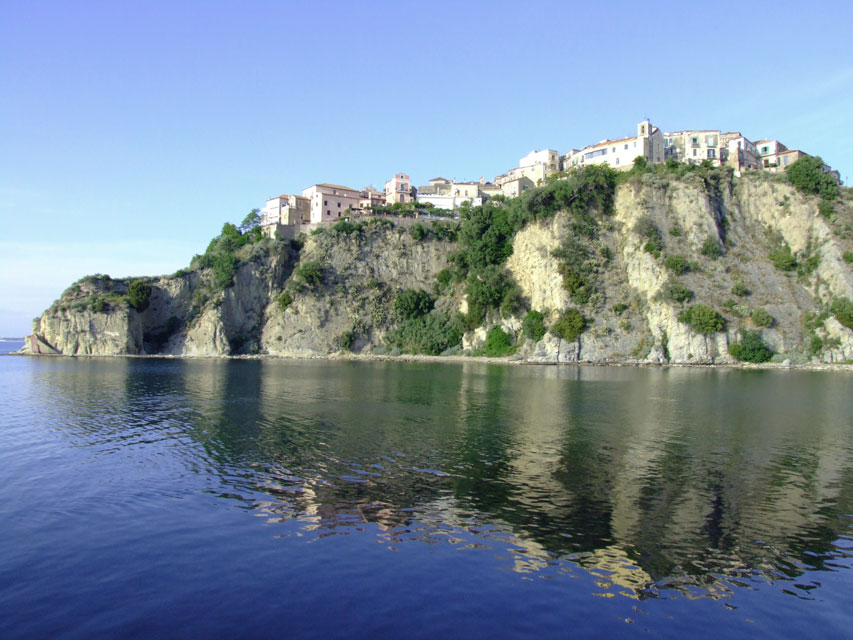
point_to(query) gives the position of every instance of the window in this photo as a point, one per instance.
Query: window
(339, 205)
(712, 153)
(694, 152)
(328, 213)
(694, 140)
(786, 160)
(617, 160)
(626, 145)
(325, 202)
(635, 144)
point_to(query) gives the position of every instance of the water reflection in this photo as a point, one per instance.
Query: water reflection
(697, 480)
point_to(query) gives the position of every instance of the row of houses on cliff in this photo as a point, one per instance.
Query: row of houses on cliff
(329, 202)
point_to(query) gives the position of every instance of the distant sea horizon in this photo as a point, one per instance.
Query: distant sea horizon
(9, 345)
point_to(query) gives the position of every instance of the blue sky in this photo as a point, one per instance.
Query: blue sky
(132, 130)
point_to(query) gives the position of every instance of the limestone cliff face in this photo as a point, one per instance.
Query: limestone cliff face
(187, 316)
(747, 222)
(272, 307)
(360, 272)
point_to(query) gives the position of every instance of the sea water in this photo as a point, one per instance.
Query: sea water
(324, 499)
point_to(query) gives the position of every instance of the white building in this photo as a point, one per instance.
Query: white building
(449, 194)
(536, 165)
(620, 154)
(694, 146)
(514, 188)
(331, 201)
(741, 153)
(284, 210)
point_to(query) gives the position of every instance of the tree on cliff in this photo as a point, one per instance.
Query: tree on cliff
(252, 220)
(137, 295)
(807, 175)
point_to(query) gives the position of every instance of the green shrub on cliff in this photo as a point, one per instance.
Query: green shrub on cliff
(220, 257)
(806, 174)
(412, 303)
(498, 343)
(702, 319)
(138, 293)
(487, 288)
(345, 341)
(97, 303)
(577, 265)
(569, 325)
(762, 318)
(310, 273)
(676, 264)
(533, 325)
(430, 334)
(711, 248)
(782, 258)
(648, 231)
(842, 309)
(224, 266)
(751, 348)
(677, 292)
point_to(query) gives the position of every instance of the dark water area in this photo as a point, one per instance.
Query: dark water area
(214, 498)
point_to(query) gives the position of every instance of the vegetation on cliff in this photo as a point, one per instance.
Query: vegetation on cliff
(656, 263)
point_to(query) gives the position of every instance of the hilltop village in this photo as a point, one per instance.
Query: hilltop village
(326, 202)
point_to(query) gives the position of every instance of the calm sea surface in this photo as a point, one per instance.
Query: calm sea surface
(214, 498)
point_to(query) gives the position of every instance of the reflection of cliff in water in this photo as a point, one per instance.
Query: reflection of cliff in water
(643, 475)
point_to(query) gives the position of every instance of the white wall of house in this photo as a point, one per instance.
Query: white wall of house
(285, 210)
(330, 202)
(620, 154)
(447, 201)
(514, 188)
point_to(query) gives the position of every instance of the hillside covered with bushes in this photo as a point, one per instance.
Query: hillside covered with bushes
(669, 264)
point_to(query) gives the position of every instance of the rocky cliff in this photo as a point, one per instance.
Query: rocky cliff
(752, 250)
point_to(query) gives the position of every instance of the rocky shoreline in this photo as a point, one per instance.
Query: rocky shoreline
(462, 359)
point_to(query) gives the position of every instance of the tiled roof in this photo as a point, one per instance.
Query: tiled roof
(609, 142)
(334, 186)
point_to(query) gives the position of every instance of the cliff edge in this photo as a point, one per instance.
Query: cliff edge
(656, 267)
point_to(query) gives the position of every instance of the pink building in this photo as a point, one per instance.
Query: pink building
(398, 189)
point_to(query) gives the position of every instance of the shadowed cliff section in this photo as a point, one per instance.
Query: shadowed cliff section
(671, 264)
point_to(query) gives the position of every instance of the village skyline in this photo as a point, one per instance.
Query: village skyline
(330, 201)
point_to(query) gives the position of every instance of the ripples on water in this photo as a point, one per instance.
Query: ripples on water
(652, 488)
